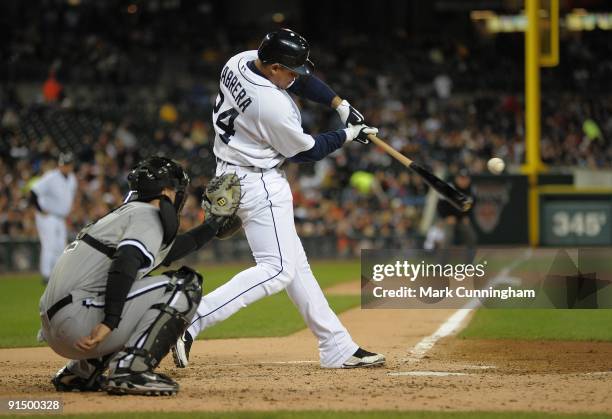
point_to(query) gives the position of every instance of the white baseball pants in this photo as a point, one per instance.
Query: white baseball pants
(52, 233)
(267, 215)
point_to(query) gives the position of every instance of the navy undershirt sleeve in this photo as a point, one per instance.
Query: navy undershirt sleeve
(325, 143)
(314, 89)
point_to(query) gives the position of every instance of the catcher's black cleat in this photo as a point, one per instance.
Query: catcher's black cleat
(180, 351)
(362, 359)
(66, 380)
(146, 383)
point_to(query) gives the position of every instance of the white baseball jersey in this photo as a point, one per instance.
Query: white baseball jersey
(256, 123)
(55, 192)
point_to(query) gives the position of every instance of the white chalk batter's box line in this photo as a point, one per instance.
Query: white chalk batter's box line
(427, 374)
(241, 364)
(463, 374)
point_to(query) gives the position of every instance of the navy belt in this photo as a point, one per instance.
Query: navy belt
(221, 161)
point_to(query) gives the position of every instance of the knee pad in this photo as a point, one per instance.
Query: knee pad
(187, 281)
(173, 318)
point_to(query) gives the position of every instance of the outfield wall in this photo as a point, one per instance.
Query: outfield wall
(22, 255)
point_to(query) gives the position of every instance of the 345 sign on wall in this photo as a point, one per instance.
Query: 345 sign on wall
(576, 222)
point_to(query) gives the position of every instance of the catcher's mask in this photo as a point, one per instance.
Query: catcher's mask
(147, 181)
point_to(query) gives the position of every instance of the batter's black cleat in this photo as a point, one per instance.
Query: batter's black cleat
(362, 359)
(66, 380)
(146, 383)
(180, 351)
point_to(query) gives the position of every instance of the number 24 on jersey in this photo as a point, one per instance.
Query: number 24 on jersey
(225, 119)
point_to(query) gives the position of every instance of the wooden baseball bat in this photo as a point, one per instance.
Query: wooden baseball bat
(459, 200)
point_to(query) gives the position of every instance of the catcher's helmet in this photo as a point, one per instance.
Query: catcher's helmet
(288, 49)
(152, 175)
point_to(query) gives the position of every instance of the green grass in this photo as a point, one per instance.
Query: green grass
(271, 316)
(534, 324)
(19, 297)
(334, 415)
(544, 324)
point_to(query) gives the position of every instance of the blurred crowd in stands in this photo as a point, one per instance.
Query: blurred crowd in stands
(451, 105)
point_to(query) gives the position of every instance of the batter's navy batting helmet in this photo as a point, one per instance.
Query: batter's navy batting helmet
(288, 49)
(152, 175)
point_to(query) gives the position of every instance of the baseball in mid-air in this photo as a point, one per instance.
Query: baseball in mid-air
(496, 165)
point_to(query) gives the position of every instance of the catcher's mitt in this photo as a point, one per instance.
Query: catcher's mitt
(224, 193)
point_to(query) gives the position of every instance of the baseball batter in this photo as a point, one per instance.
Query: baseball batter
(53, 196)
(101, 308)
(258, 127)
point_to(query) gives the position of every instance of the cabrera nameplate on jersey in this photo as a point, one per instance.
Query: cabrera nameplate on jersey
(256, 123)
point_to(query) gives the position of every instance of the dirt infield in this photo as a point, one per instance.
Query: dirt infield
(283, 373)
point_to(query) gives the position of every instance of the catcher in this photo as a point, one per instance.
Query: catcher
(102, 310)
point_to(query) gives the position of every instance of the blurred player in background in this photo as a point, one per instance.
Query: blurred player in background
(258, 126)
(53, 196)
(457, 223)
(435, 236)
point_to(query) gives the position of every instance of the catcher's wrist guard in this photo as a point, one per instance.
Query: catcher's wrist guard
(229, 227)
